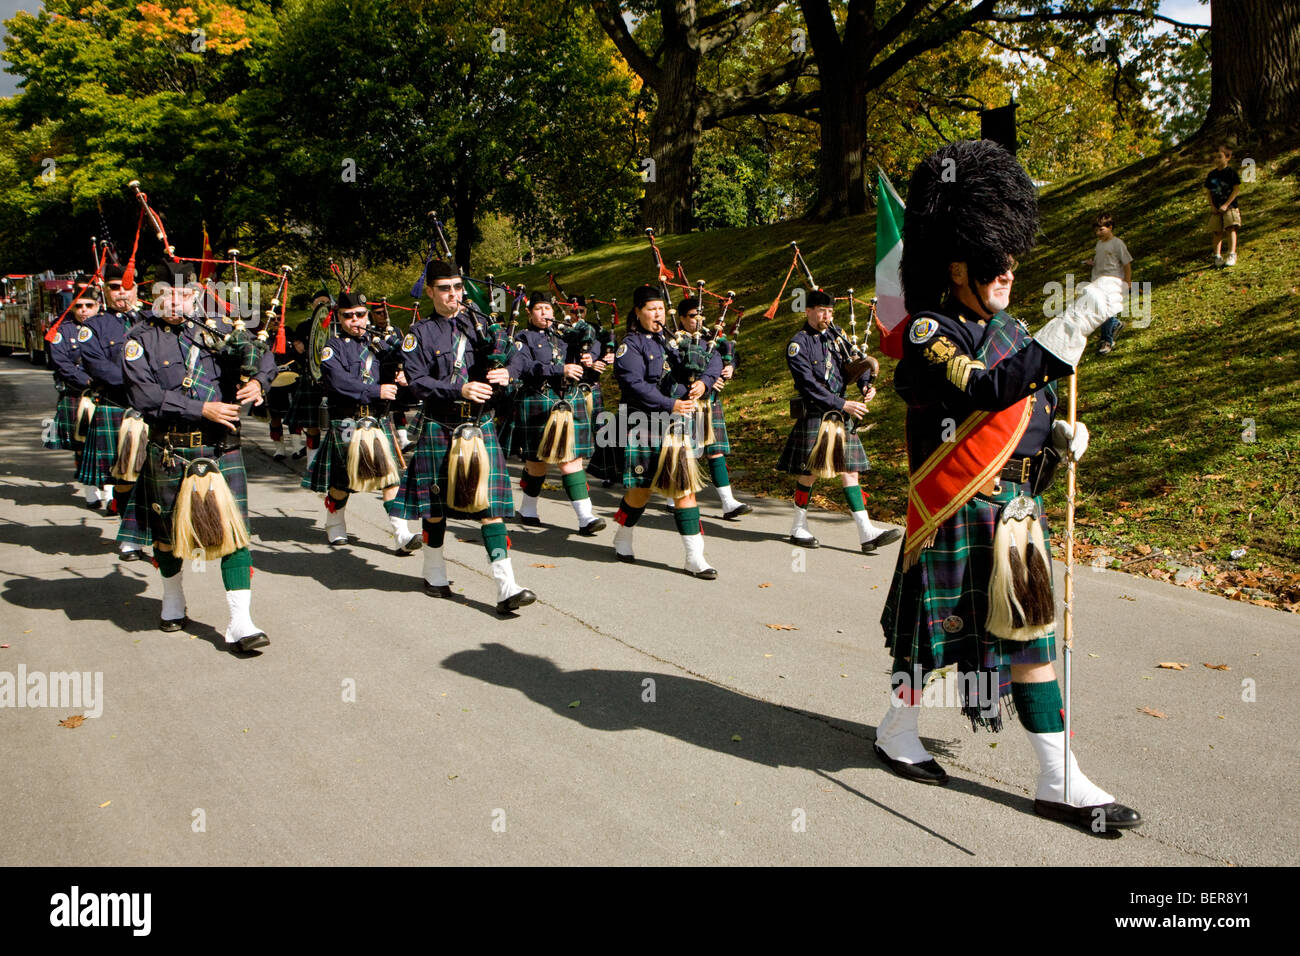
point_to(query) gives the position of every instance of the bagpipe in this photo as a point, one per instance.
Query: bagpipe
(669, 280)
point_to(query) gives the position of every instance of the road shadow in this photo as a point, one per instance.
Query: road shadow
(117, 598)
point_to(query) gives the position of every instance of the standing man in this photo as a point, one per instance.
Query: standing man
(447, 358)
(982, 443)
(549, 369)
(187, 386)
(350, 377)
(698, 349)
(71, 380)
(824, 441)
(103, 337)
(650, 375)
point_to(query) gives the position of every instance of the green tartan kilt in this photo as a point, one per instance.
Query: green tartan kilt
(101, 445)
(935, 612)
(641, 458)
(794, 457)
(423, 492)
(528, 422)
(154, 500)
(721, 444)
(59, 437)
(304, 410)
(329, 466)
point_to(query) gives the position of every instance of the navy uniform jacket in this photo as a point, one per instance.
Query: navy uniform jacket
(942, 382)
(350, 369)
(65, 354)
(101, 353)
(156, 362)
(538, 355)
(818, 371)
(429, 356)
(648, 371)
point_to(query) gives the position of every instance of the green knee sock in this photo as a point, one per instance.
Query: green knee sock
(853, 495)
(688, 520)
(1039, 706)
(389, 507)
(237, 570)
(575, 486)
(168, 564)
(495, 541)
(718, 469)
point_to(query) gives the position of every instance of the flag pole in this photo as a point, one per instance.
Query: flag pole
(1068, 641)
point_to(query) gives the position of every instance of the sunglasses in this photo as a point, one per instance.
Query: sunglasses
(454, 287)
(85, 305)
(355, 314)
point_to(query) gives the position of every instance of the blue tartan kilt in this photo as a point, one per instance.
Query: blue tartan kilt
(329, 466)
(935, 612)
(721, 444)
(304, 410)
(528, 422)
(423, 492)
(153, 503)
(794, 457)
(58, 436)
(101, 445)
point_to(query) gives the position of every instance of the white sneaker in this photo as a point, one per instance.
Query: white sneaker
(1231, 260)
(1218, 261)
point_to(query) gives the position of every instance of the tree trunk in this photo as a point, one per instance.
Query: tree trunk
(841, 182)
(1254, 66)
(674, 134)
(464, 210)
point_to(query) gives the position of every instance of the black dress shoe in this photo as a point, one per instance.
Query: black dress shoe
(438, 590)
(708, 574)
(626, 558)
(530, 522)
(804, 542)
(592, 527)
(929, 772)
(170, 626)
(736, 512)
(1116, 815)
(252, 642)
(516, 601)
(94, 505)
(130, 555)
(885, 537)
(300, 453)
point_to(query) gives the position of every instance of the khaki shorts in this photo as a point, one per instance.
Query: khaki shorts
(1223, 221)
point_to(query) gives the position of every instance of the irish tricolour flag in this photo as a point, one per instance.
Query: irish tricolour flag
(890, 312)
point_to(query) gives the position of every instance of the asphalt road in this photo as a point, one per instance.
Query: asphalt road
(634, 715)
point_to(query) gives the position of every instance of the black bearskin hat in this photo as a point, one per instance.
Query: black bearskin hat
(968, 202)
(818, 297)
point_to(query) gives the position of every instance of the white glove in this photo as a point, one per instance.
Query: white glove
(1066, 336)
(1071, 440)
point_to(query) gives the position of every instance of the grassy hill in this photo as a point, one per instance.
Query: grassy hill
(1176, 472)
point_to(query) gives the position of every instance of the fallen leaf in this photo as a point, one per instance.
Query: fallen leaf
(1094, 655)
(574, 703)
(1144, 549)
(1213, 477)
(1153, 713)
(1173, 666)
(765, 584)
(76, 721)
(782, 627)
(1220, 716)
(104, 804)
(543, 565)
(452, 776)
(1216, 667)
(767, 655)
(735, 738)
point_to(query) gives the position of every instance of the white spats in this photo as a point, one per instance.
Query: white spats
(278, 449)
(504, 575)
(528, 506)
(729, 502)
(582, 508)
(406, 541)
(435, 568)
(623, 541)
(241, 624)
(866, 530)
(897, 735)
(106, 493)
(1050, 749)
(92, 494)
(799, 529)
(403, 439)
(336, 526)
(694, 545)
(173, 602)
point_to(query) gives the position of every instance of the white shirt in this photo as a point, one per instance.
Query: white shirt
(1110, 258)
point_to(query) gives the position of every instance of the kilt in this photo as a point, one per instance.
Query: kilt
(101, 445)
(329, 466)
(280, 400)
(794, 457)
(135, 521)
(59, 437)
(721, 444)
(528, 422)
(154, 499)
(304, 409)
(641, 457)
(934, 615)
(422, 493)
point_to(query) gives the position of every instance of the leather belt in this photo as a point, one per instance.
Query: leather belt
(462, 411)
(1019, 469)
(197, 438)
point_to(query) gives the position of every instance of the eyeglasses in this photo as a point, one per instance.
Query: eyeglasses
(453, 287)
(690, 315)
(355, 314)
